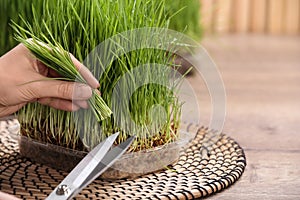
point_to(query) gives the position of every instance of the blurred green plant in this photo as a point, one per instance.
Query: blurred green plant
(185, 16)
(11, 10)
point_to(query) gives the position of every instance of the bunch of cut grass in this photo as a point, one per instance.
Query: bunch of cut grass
(78, 27)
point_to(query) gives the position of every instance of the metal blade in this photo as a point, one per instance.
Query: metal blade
(81, 172)
(108, 160)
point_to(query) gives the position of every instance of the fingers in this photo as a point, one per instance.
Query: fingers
(56, 89)
(67, 96)
(86, 74)
(82, 104)
(63, 104)
(4, 111)
(60, 104)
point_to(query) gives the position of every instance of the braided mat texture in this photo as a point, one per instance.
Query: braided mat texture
(211, 163)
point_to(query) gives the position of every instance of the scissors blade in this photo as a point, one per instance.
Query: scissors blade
(109, 159)
(79, 174)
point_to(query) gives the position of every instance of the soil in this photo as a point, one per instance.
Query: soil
(29, 133)
(130, 165)
(79, 146)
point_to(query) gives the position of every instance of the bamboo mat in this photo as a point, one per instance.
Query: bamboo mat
(200, 171)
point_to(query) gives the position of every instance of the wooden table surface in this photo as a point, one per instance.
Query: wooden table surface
(262, 80)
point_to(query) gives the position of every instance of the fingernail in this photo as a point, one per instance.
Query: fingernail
(82, 92)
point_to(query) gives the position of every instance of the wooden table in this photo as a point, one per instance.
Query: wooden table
(262, 79)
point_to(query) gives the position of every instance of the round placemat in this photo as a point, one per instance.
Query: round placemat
(211, 163)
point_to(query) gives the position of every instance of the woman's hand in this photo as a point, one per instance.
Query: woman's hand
(23, 79)
(4, 196)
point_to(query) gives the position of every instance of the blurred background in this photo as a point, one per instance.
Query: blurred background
(251, 16)
(256, 46)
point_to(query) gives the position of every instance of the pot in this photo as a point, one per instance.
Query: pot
(129, 165)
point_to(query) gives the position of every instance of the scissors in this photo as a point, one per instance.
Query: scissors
(90, 167)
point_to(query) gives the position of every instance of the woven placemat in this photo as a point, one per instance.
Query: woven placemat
(199, 172)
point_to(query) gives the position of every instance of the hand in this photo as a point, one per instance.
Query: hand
(7, 196)
(23, 79)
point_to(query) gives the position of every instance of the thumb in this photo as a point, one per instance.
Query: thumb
(58, 89)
